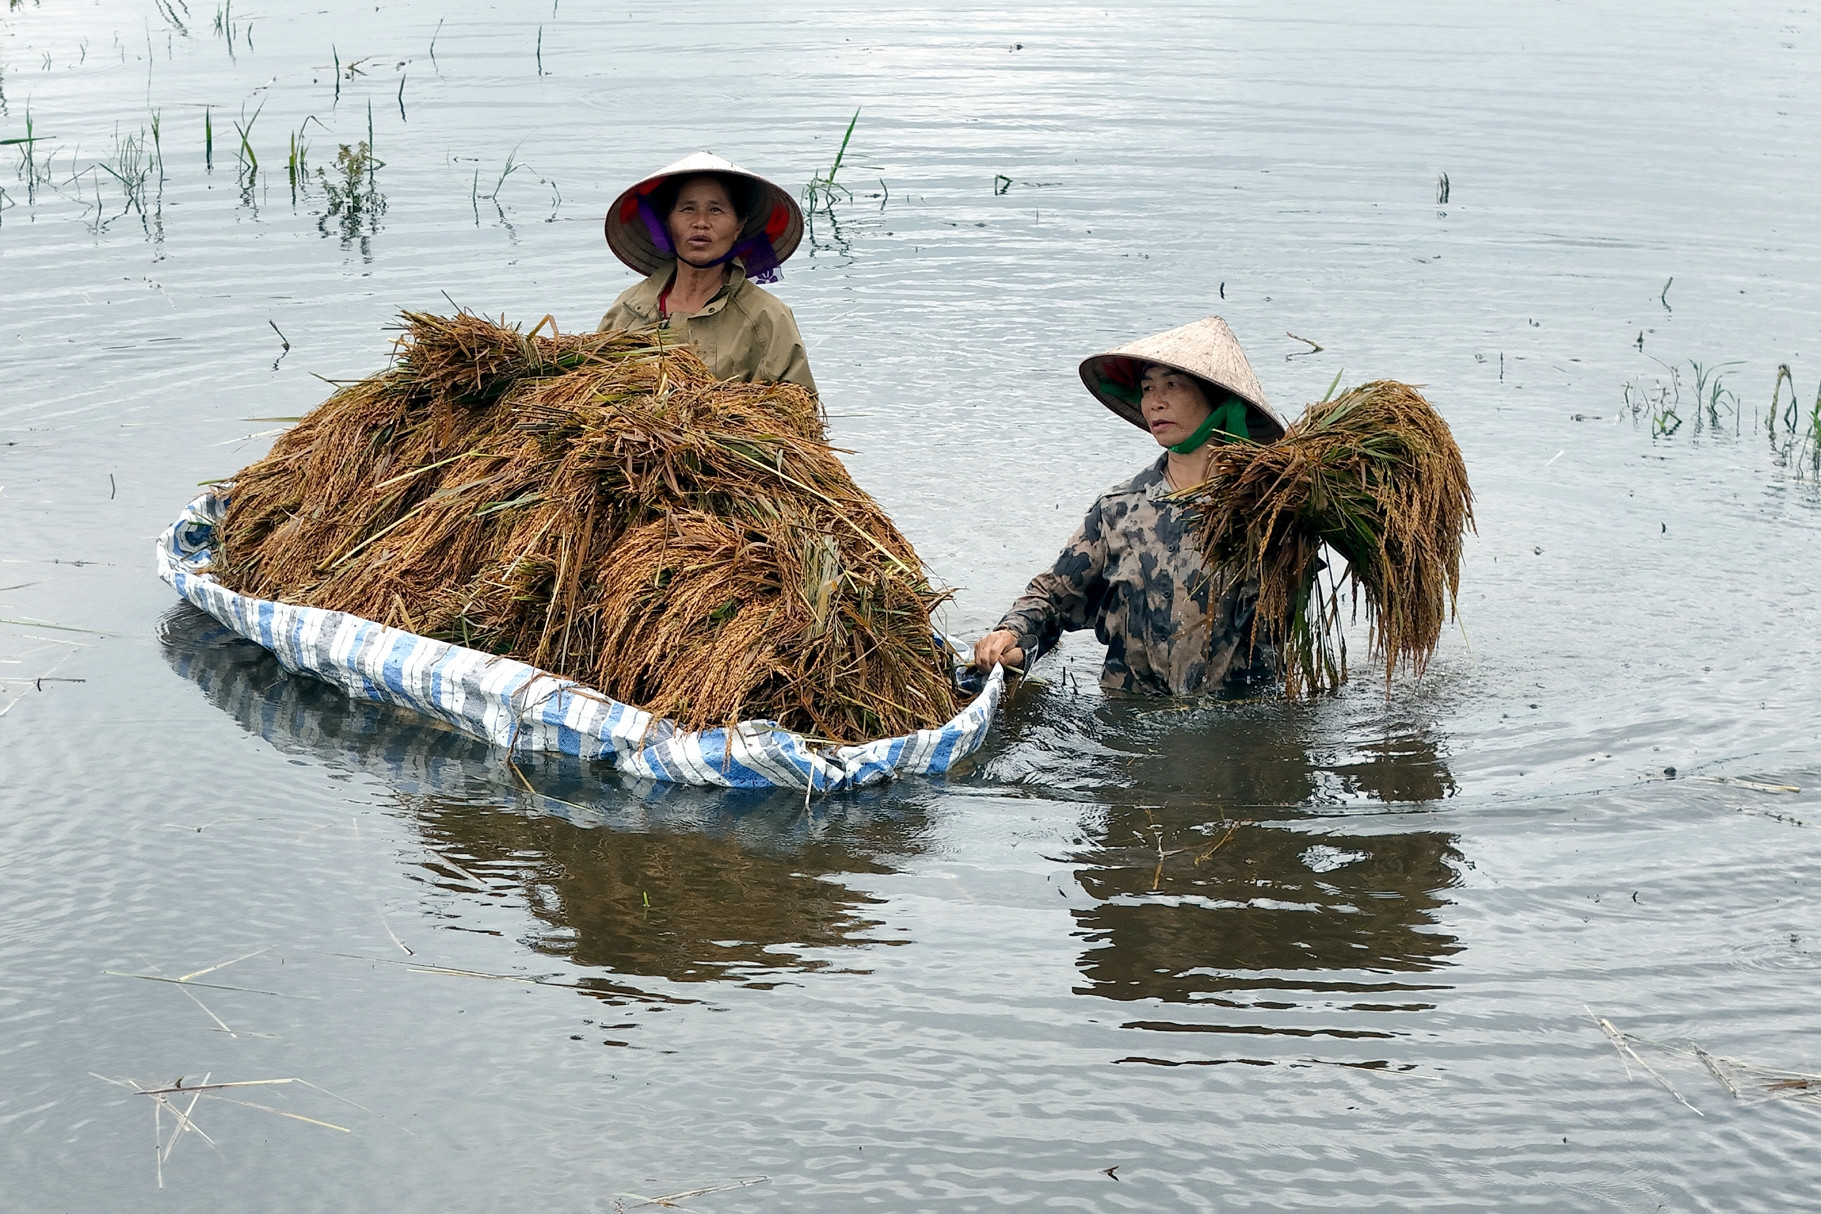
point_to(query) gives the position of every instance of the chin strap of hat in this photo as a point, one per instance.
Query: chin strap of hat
(1229, 417)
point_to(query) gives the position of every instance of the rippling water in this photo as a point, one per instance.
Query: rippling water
(1232, 955)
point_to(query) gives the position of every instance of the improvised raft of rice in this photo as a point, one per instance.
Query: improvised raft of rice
(1375, 475)
(606, 510)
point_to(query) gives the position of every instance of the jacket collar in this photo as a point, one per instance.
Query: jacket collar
(1155, 480)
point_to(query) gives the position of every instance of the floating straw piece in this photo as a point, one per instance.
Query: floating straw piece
(606, 510)
(1755, 785)
(266, 1108)
(213, 986)
(1375, 476)
(1748, 1082)
(670, 1199)
(1625, 1051)
(222, 965)
(162, 1103)
(392, 935)
(1713, 1068)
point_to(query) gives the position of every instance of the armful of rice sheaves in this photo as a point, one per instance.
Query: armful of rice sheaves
(607, 510)
(1374, 475)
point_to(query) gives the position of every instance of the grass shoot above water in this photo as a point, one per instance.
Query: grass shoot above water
(129, 165)
(1696, 397)
(245, 157)
(351, 194)
(137, 164)
(823, 191)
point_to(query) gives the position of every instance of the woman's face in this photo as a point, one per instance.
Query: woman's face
(703, 225)
(1174, 405)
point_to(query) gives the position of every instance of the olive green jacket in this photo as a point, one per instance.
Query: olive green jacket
(743, 333)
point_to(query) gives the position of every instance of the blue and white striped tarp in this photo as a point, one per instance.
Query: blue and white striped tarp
(518, 707)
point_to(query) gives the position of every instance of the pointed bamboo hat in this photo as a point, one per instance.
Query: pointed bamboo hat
(639, 236)
(1205, 349)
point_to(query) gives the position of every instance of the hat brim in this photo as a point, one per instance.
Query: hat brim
(774, 214)
(1115, 381)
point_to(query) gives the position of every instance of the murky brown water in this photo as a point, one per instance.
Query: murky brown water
(1245, 955)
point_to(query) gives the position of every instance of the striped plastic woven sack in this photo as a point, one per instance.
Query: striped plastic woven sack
(518, 707)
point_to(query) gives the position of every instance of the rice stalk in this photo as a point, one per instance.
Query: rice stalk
(1375, 476)
(604, 509)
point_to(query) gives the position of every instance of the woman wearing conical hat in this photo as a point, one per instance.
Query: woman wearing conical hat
(1132, 571)
(705, 232)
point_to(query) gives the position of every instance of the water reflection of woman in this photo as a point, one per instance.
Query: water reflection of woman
(705, 232)
(1132, 571)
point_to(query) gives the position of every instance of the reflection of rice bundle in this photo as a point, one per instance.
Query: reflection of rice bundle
(610, 512)
(1376, 476)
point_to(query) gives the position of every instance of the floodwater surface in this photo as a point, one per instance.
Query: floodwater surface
(1226, 955)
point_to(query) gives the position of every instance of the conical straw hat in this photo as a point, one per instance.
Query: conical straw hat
(774, 222)
(1205, 349)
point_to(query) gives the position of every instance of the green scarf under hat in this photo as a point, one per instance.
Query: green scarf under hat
(1228, 417)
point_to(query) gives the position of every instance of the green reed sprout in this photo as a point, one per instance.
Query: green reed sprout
(823, 191)
(247, 158)
(129, 166)
(1711, 392)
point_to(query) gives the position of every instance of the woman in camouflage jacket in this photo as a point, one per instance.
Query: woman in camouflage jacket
(1132, 571)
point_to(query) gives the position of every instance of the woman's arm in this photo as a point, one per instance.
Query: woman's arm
(783, 358)
(1066, 597)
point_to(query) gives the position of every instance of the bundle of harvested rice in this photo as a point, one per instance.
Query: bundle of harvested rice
(604, 509)
(1376, 476)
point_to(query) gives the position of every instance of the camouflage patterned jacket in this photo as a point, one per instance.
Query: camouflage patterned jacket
(1133, 574)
